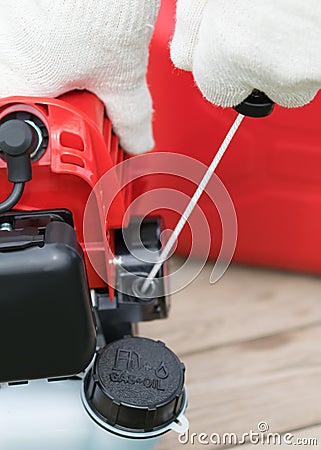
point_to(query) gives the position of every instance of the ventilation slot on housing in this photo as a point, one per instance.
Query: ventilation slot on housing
(71, 140)
(72, 159)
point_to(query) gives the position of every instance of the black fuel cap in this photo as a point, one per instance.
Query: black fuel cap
(136, 384)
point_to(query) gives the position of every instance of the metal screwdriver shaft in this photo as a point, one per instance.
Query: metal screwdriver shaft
(193, 202)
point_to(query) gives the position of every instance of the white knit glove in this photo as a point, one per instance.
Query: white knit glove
(234, 46)
(48, 47)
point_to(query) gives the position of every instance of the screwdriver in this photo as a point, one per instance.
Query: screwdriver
(256, 105)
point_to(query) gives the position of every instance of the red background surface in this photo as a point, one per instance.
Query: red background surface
(272, 169)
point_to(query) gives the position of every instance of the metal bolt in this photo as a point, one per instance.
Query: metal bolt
(6, 226)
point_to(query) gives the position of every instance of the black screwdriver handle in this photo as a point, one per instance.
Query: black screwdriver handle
(256, 105)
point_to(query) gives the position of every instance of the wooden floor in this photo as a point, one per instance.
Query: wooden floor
(252, 348)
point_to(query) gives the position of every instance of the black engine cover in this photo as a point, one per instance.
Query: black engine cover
(47, 328)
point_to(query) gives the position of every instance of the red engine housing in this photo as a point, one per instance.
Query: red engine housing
(81, 149)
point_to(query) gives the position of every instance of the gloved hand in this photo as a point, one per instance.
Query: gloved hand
(234, 46)
(51, 47)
